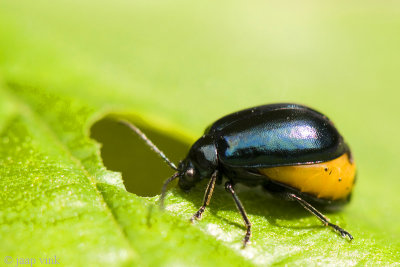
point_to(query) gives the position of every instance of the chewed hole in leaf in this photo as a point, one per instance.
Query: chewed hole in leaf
(143, 171)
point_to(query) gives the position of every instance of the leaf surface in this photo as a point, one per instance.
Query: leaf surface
(173, 68)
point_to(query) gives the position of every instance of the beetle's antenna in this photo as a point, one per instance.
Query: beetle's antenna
(164, 188)
(149, 143)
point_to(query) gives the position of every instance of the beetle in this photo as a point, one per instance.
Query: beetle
(292, 151)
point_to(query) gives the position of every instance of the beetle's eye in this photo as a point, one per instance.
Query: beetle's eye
(190, 173)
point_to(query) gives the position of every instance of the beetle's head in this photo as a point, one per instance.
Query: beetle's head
(200, 163)
(188, 175)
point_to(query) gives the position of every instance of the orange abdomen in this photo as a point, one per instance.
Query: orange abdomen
(331, 180)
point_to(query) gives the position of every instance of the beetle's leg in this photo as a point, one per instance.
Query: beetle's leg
(319, 215)
(229, 188)
(207, 197)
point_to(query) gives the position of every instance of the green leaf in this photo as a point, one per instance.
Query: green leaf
(70, 68)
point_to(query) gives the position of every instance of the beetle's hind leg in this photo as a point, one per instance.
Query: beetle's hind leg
(229, 188)
(319, 215)
(207, 196)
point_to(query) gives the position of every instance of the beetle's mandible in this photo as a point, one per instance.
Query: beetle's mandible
(291, 150)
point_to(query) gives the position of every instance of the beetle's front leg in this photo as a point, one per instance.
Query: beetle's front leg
(207, 196)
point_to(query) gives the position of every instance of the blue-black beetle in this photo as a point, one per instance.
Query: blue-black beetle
(290, 150)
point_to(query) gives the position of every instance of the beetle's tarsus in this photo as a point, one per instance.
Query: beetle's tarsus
(246, 239)
(198, 214)
(342, 232)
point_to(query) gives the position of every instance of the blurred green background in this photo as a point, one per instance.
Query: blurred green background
(175, 66)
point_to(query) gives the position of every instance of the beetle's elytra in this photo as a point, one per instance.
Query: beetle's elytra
(291, 150)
